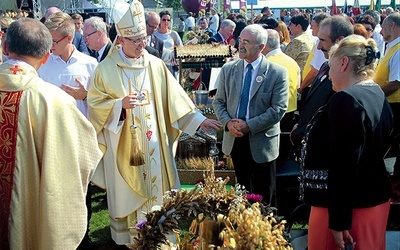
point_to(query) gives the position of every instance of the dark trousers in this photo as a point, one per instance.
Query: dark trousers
(395, 150)
(258, 178)
(286, 149)
(86, 243)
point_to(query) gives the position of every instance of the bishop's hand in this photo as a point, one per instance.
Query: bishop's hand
(129, 101)
(210, 123)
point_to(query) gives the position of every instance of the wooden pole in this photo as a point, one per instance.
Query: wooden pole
(251, 13)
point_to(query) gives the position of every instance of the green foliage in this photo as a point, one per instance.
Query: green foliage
(94, 1)
(175, 4)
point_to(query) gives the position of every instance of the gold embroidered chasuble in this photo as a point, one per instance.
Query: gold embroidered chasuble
(159, 126)
(55, 156)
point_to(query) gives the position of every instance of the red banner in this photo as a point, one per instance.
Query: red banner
(334, 10)
(211, 4)
(356, 8)
(202, 8)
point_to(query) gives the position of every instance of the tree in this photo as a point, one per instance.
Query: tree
(94, 1)
(174, 4)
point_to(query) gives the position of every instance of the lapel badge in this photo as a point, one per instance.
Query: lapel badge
(259, 79)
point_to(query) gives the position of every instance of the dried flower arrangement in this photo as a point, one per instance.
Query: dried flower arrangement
(203, 51)
(197, 36)
(195, 163)
(222, 219)
(246, 228)
(190, 75)
(192, 57)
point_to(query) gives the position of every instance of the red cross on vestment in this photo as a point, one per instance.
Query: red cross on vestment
(15, 69)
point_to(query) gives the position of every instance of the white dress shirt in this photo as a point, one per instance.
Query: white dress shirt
(394, 73)
(256, 65)
(57, 72)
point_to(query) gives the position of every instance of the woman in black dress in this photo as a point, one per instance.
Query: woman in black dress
(343, 175)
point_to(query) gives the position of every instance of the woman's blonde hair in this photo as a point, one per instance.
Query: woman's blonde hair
(363, 54)
(284, 35)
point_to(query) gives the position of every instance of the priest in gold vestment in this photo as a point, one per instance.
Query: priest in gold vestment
(129, 87)
(48, 150)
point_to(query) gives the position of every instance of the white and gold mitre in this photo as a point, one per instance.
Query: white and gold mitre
(132, 23)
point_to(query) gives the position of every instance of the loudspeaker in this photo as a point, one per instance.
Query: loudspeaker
(26, 4)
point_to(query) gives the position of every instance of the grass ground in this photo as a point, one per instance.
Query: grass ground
(100, 222)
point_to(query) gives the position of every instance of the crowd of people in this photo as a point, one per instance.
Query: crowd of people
(78, 107)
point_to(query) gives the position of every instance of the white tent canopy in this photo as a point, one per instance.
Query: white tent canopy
(289, 4)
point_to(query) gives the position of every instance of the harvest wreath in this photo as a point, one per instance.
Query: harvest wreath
(222, 218)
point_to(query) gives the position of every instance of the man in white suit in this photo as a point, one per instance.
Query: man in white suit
(251, 116)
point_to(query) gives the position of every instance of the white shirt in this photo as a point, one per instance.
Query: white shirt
(214, 22)
(319, 57)
(58, 72)
(169, 41)
(101, 52)
(394, 73)
(255, 64)
(379, 39)
(190, 22)
(168, 51)
(273, 52)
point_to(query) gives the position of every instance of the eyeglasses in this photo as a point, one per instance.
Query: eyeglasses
(166, 20)
(56, 42)
(369, 29)
(86, 36)
(137, 41)
(151, 26)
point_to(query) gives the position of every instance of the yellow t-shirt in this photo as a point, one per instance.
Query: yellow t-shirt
(382, 73)
(294, 77)
(307, 66)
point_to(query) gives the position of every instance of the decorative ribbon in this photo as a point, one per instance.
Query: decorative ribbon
(9, 110)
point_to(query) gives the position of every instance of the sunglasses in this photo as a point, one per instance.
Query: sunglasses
(166, 20)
